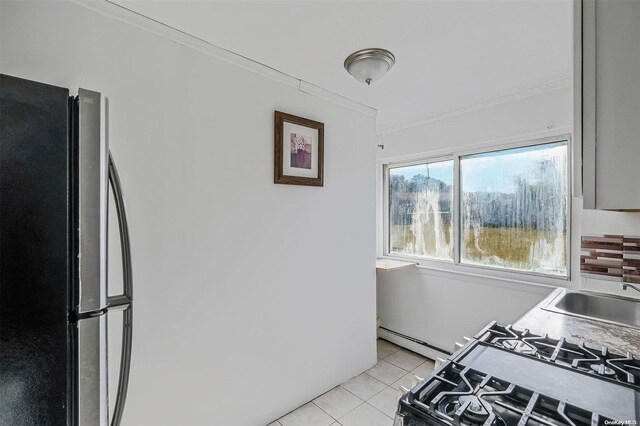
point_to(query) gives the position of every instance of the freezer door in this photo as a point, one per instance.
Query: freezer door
(35, 253)
(92, 202)
(92, 371)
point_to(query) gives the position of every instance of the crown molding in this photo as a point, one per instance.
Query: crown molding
(556, 133)
(533, 89)
(312, 89)
(120, 13)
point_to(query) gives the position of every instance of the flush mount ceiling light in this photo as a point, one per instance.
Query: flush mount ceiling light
(369, 65)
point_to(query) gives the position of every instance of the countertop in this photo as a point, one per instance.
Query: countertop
(617, 339)
(392, 265)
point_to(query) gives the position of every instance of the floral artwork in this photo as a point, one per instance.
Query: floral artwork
(300, 151)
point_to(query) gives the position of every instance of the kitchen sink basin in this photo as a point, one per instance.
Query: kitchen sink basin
(598, 307)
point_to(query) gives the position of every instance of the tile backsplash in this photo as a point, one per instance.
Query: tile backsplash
(610, 257)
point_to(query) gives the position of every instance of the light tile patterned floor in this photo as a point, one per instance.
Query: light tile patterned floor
(368, 399)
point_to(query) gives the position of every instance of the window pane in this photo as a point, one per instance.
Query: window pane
(514, 208)
(420, 219)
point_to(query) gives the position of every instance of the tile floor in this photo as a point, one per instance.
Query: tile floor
(369, 399)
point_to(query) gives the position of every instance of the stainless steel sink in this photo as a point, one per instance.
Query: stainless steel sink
(596, 306)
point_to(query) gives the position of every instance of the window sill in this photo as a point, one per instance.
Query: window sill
(387, 264)
(449, 268)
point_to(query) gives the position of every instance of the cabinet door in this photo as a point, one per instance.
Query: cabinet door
(611, 104)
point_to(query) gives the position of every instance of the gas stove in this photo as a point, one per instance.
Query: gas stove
(506, 377)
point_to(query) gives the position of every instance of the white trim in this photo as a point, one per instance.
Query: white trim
(577, 98)
(488, 145)
(122, 14)
(386, 168)
(539, 283)
(312, 89)
(526, 91)
(384, 248)
(456, 209)
(432, 159)
(487, 275)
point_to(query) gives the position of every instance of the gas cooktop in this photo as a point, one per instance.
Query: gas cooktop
(506, 377)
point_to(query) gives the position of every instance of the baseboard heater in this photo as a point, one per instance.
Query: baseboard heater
(428, 348)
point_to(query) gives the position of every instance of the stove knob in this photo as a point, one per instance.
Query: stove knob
(438, 363)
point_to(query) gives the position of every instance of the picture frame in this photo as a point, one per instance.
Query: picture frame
(298, 150)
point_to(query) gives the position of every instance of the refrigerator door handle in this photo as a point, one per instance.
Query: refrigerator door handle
(125, 244)
(92, 171)
(122, 301)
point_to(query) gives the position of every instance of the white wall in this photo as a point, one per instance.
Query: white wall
(504, 121)
(456, 304)
(250, 298)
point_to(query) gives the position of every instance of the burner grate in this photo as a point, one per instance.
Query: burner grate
(600, 362)
(461, 396)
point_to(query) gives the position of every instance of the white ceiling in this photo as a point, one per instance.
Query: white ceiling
(449, 53)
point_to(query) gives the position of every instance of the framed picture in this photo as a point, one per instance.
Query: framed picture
(299, 150)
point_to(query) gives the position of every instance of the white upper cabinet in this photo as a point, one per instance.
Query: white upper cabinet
(608, 102)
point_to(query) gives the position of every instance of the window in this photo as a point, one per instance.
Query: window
(504, 209)
(420, 219)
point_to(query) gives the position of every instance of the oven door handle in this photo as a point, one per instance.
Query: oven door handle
(124, 301)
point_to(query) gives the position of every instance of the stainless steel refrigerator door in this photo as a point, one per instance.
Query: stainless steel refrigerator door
(92, 190)
(93, 392)
(96, 170)
(92, 204)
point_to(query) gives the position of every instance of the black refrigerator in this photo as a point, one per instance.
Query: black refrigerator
(55, 175)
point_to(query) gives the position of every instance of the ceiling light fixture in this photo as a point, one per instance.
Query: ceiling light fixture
(369, 65)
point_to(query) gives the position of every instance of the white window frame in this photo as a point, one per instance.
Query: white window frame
(455, 265)
(386, 206)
